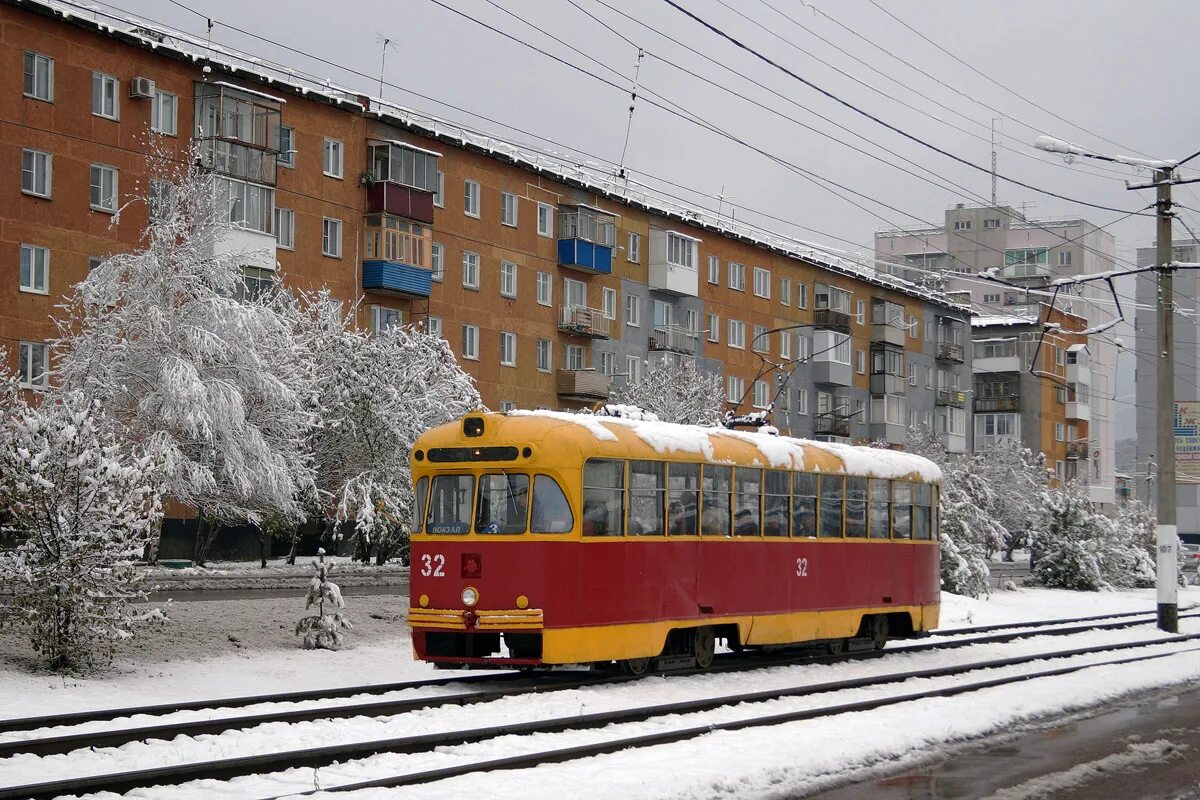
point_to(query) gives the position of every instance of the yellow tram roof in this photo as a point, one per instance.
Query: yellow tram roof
(570, 436)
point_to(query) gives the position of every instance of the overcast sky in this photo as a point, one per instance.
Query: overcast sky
(1117, 76)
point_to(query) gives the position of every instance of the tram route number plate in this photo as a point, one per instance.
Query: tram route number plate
(801, 567)
(433, 565)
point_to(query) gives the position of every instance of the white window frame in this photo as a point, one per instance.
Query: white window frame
(470, 341)
(736, 337)
(802, 402)
(439, 192)
(384, 318)
(545, 355)
(331, 237)
(433, 325)
(802, 295)
(574, 357)
(545, 289)
(1060, 432)
(545, 220)
(25, 376)
(785, 291)
(508, 349)
(633, 248)
(510, 208)
(737, 276)
(437, 262)
(762, 394)
(608, 302)
(761, 341)
(785, 345)
(103, 170)
(287, 242)
(38, 260)
(508, 279)
(102, 82)
(1064, 258)
(47, 67)
(714, 327)
(42, 159)
(333, 158)
(633, 370)
(762, 283)
(714, 270)
(470, 270)
(633, 310)
(287, 147)
(860, 312)
(735, 389)
(682, 251)
(860, 362)
(160, 122)
(471, 198)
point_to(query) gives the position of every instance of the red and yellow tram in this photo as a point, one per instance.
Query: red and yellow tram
(548, 538)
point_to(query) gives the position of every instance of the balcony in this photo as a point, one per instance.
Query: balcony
(673, 338)
(1026, 272)
(1077, 450)
(985, 405)
(830, 424)
(1078, 411)
(951, 397)
(586, 239)
(829, 319)
(589, 323)
(887, 323)
(671, 266)
(1010, 363)
(237, 131)
(395, 256)
(582, 384)
(884, 383)
(393, 198)
(948, 351)
(398, 278)
(402, 180)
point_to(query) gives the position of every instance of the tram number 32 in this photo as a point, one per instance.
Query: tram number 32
(433, 566)
(801, 567)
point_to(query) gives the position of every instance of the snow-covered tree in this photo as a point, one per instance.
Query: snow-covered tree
(80, 508)
(1019, 479)
(1066, 548)
(203, 378)
(676, 393)
(375, 395)
(323, 630)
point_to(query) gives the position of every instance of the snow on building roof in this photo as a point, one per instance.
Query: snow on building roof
(418, 148)
(999, 319)
(583, 174)
(254, 92)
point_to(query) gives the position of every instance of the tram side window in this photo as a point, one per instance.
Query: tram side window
(715, 510)
(551, 513)
(831, 506)
(937, 512)
(775, 503)
(647, 494)
(804, 504)
(503, 501)
(856, 506)
(922, 511)
(880, 519)
(747, 501)
(901, 510)
(450, 504)
(603, 497)
(684, 499)
(422, 492)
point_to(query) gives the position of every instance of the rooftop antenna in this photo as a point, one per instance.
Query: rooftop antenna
(386, 43)
(637, 70)
(721, 198)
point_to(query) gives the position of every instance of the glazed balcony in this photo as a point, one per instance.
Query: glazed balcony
(402, 180)
(1077, 450)
(586, 237)
(396, 257)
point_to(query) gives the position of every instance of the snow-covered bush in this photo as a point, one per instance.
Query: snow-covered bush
(1067, 548)
(81, 508)
(323, 630)
(676, 393)
(1019, 479)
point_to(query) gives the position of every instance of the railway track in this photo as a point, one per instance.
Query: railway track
(510, 685)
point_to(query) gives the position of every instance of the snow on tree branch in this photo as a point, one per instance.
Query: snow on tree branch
(676, 393)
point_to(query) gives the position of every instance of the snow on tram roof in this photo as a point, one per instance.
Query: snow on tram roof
(782, 452)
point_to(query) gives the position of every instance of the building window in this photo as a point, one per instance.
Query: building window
(470, 270)
(33, 364)
(285, 228)
(633, 370)
(737, 276)
(256, 282)
(860, 312)
(860, 362)
(471, 198)
(331, 163)
(439, 191)
(912, 374)
(761, 343)
(991, 223)
(714, 328)
(785, 345)
(545, 355)
(470, 342)
(737, 334)
(633, 249)
(508, 349)
(608, 302)
(762, 394)
(608, 364)
(39, 76)
(35, 172)
(785, 291)
(331, 237)
(162, 112)
(1059, 432)
(802, 295)
(104, 188)
(633, 310)
(104, 95)
(249, 204)
(1064, 258)
(762, 283)
(714, 270)
(508, 209)
(962, 225)
(681, 251)
(287, 147)
(736, 388)
(545, 226)
(802, 401)
(434, 326)
(991, 299)
(35, 268)
(383, 319)
(437, 263)
(803, 347)
(545, 288)
(508, 279)
(574, 357)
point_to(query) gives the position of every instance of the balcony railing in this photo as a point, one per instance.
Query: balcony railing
(831, 319)
(673, 338)
(583, 321)
(831, 424)
(951, 397)
(1077, 450)
(989, 404)
(949, 351)
(583, 384)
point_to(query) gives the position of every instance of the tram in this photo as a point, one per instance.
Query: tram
(544, 538)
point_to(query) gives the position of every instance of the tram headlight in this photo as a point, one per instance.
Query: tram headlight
(470, 596)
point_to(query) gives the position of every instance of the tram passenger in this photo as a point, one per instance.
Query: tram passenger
(595, 518)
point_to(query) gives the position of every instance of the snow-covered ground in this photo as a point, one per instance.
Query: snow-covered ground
(777, 761)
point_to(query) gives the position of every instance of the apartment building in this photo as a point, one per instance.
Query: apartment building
(1027, 254)
(1033, 384)
(552, 282)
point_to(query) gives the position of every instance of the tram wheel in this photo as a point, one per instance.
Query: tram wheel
(879, 631)
(636, 666)
(704, 644)
(835, 647)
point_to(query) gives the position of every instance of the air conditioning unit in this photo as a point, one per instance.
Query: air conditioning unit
(141, 87)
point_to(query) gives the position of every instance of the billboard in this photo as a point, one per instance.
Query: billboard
(1187, 442)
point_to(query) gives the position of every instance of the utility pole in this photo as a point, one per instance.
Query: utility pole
(1167, 531)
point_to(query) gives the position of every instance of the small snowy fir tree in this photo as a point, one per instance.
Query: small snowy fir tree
(323, 630)
(195, 369)
(1066, 552)
(676, 393)
(80, 508)
(1138, 522)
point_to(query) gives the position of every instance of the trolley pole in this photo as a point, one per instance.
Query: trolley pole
(1167, 532)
